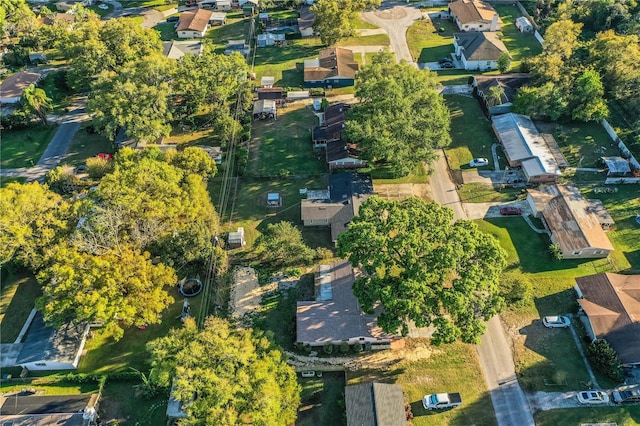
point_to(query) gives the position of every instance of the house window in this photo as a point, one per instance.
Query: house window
(41, 364)
(479, 26)
(598, 252)
(576, 253)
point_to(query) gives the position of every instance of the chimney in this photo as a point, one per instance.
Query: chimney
(494, 23)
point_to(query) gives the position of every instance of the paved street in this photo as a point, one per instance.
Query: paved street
(395, 18)
(443, 189)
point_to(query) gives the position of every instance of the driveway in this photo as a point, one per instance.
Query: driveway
(395, 19)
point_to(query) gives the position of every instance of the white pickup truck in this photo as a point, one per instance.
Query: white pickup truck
(438, 401)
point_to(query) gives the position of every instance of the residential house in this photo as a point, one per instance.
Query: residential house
(66, 19)
(537, 154)
(218, 18)
(331, 125)
(67, 5)
(479, 51)
(347, 191)
(41, 410)
(264, 109)
(508, 85)
(46, 348)
(177, 49)
(306, 19)
(524, 25)
(375, 404)
(335, 315)
(255, 4)
(270, 93)
(123, 139)
(239, 46)
(343, 155)
(214, 152)
(193, 24)
(616, 166)
(611, 304)
(334, 67)
(475, 15)
(575, 224)
(216, 4)
(12, 87)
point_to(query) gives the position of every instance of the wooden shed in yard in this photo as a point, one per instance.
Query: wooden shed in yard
(264, 109)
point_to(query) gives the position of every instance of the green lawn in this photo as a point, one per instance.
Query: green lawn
(284, 145)
(50, 386)
(167, 30)
(56, 88)
(156, 4)
(384, 175)
(360, 24)
(322, 400)
(520, 45)
(453, 77)
(622, 416)
(85, 145)
(105, 355)
(102, 12)
(286, 63)
(427, 43)
(235, 29)
(480, 193)
(369, 40)
(450, 368)
(23, 148)
(4, 180)
(471, 133)
(122, 404)
(18, 294)
(581, 142)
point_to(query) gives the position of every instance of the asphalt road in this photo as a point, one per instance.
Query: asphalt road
(395, 19)
(509, 402)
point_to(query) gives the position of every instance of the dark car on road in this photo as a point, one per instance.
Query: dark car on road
(173, 19)
(444, 60)
(447, 65)
(510, 211)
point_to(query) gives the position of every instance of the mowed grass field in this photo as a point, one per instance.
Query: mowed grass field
(520, 45)
(23, 148)
(427, 43)
(286, 63)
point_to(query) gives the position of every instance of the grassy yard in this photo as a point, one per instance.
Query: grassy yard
(102, 12)
(284, 146)
(383, 175)
(520, 45)
(236, 28)
(85, 145)
(322, 400)
(369, 40)
(622, 416)
(286, 63)
(4, 180)
(450, 368)
(123, 404)
(105, 355)
(480, 193)
(471, 133)
(427, 43)
(23, 148)
(50, 386)
(453, 77)
(581, 143)
(205, 137)
(18, 294)
(156, 4)
(167, 30)
(56, 88)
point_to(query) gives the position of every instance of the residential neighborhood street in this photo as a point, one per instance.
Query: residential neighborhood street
(395, 19)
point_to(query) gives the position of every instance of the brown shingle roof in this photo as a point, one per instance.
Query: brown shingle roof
(14, 85)
(194, 21)
(470, 11)
(332, 62)
(510, 83)
(612, 303)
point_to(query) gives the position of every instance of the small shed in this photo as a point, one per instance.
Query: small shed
(270, 39)
(293, 95)
(237, 46)
(274, 199)
(247, 11)
(236, 239)
(218, 18)
(524, 25)
(267, 81)
(270, 93)
(263, 16)
(616, 166)
(264, 109)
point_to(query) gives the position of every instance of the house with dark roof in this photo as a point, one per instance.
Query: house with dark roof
(375, 404)
(347, 191)
(12, 87)
(343, 155)
(334, 67)
(507, 84)
(193, 24)
(270, 93)
(474, 15)
(335, 315)
(479, 51)
(575, 224)
(46, 348)
(61, 410)
(331, 125)
(537, 154)
(306, 19)
(611, 307)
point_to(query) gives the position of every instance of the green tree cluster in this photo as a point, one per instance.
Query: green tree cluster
(605, 359)
(422, 268)
(281, 244)
(400, 117)
(225, 375)
(334, 18)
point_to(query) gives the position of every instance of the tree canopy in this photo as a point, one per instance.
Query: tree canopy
(224, 375)
(281, 244)
(32, 218)
(400, 117)
(120, 287)
(334, 18)
(423, 268)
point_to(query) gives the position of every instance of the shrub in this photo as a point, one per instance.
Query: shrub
(605, 360)
(357, 347)
(61, 179)
(323, 253)
(328, 348)
(555, 252)
(316, 91)
(344, 347)
(516, 289)
(98, 167)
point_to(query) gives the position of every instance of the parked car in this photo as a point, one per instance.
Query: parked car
(173, 19)
(593, 397)
(626, 395)
(103, 7)
(510, 211)
(447, 65)
(439, 401)
(556, 322)
(478, 162)
(444, 60)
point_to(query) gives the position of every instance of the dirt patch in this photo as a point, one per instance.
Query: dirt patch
(393, 13)
(246, 292)
(400, 191)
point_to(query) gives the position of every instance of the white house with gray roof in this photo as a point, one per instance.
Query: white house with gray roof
(479, 51)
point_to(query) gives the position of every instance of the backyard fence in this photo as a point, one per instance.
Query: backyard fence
(621, 146)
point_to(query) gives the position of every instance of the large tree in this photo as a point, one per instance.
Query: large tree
(32, 218)
(422, 268)
(121, 287)
(588, 101)
(281, 244)
(225, 376)
(334, 18)
(35, 101)
(400, 117)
